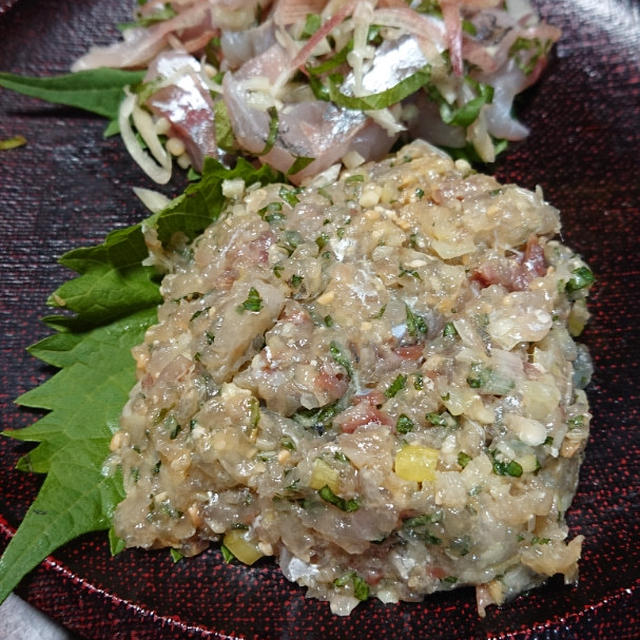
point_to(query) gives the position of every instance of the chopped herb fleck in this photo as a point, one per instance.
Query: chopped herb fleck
(380, 313)
(581, 278)
(502, 468)
(360, 588)
(254, 412)
(397, 385)
(344, 505)
(576, 422)
(489, 381)
(340, 358)
(198, 313)
(299, 164)
(176, 556)
(449, 330)
(408, 272)
(290, 196)
(318, 419)
(404, 424)
(227, 555)
(252, 303)
(322, 240)
(415, 323)
(311, 25)
(464, 459)
(272, 212)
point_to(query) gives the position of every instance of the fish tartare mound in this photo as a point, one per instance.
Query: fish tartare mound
(374, 381)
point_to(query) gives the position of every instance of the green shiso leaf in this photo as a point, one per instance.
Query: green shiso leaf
(112, 303)
(385, 98)
(99, 91)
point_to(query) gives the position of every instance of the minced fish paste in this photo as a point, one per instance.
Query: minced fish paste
(372, 380)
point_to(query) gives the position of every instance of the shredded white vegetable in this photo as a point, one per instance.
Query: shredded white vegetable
(153, 200)
(160, 174)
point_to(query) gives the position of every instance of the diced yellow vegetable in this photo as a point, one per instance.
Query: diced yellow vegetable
(324, 475)
(578, 317)
(416, 463)
(528, 462)
(241, 545)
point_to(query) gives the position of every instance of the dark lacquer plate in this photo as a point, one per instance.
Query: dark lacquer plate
(69, 187)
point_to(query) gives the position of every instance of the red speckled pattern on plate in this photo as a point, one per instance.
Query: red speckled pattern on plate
(69, 187)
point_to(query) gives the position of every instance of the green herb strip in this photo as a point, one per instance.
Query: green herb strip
(300, 163)
(339, 356)
(397, 385)
(274, 123)
(348, 506)
(381, 100)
